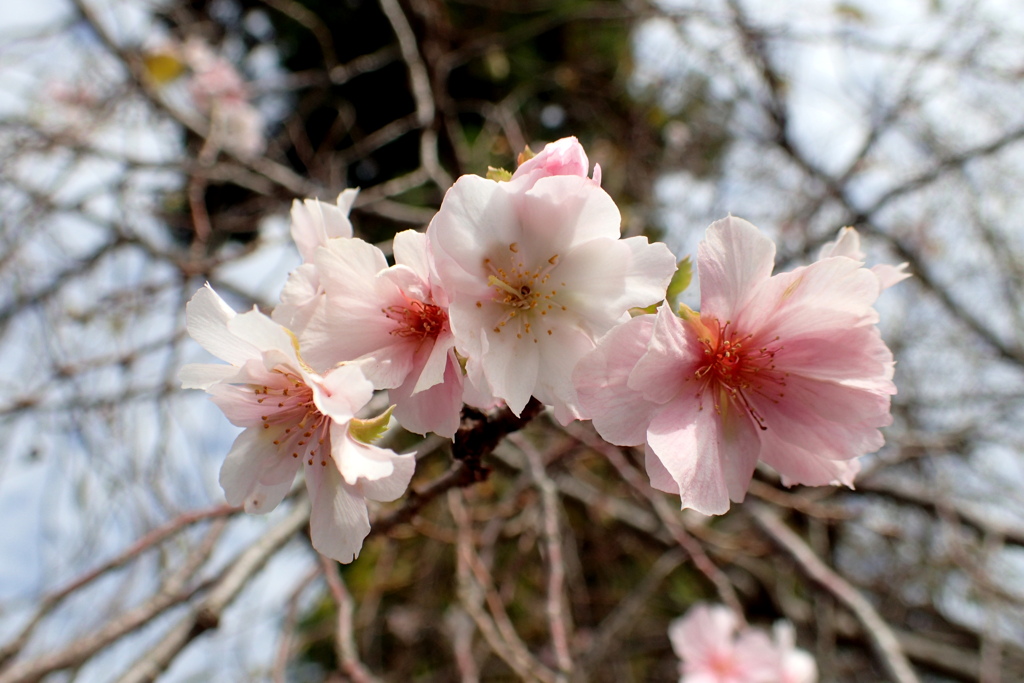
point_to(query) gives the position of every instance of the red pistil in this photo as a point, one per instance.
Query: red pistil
(417, 320)
(735, 368)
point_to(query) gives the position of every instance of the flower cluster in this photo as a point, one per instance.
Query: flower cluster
(714, 649)
(520, 287)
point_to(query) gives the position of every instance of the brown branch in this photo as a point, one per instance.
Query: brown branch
(171, 593)
(225, 588)
(476, 439)
(344, 640)
(886, 646)
(148, 541)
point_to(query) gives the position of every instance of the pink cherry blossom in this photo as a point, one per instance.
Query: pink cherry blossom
(562, 157)
(794, 665)
(788, 369)
(535, 272)
(847, 243)
(713, 649)
(313, 224)
(394, 321)
(220, 92)
(293, 418)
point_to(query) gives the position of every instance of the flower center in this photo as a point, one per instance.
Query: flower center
(289, 403)
(417, 320)
(523, 292)
(736, 369)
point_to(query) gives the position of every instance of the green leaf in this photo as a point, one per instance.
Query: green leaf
(372, 429)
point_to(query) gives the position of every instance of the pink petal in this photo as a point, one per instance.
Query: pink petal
(620, 414)
(833, 295)
(711, 457)
(562, 157)
(798, 465)
(889, 275)
(435, 409)
(732, 260)
(669, 360)
(703, 630)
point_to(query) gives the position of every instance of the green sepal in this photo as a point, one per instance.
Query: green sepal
(645, 310)
(499, 174)
(680, 281)
(372, 429)
(525, 156)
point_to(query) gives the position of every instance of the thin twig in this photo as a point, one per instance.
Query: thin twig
(474, 587)
(345, 642)
(559, 622)
(883, 640)
(225, 588)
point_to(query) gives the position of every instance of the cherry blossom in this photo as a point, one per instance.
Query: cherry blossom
(293, 419)
(535, 272)
(313, 224)
(713, 649)
(794, 665)
(787, 368)
(562, 157)
(847, 243)
(394, 321)
(219, 91)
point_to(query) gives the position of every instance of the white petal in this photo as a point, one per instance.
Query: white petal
(265, 335)
(342, 393)
(511, 366)
(338, 522)
(357, 460)
(393, 486)
(204, 375)
(315, 222)
(410, 249)
(207, 317)
(254, 469)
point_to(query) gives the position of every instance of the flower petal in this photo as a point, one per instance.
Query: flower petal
(339, 522)
(207, 317)
(255, 471)
(620, 414)
(393, 486)
(711, 457)
(732, 260)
